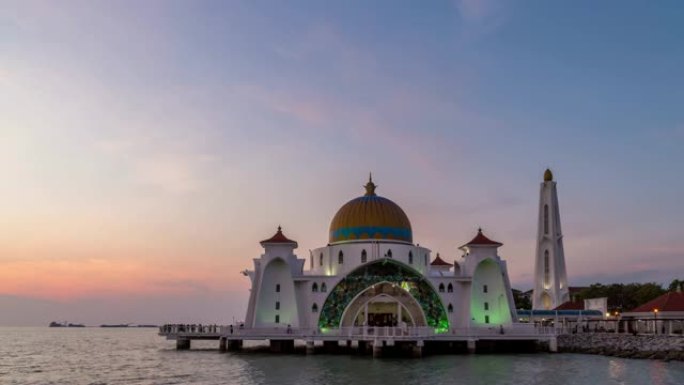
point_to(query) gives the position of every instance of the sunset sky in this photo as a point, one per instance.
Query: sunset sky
(147, 147)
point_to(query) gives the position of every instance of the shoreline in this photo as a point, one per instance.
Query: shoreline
(658, 347)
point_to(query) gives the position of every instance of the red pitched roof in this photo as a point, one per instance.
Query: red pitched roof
(672, 301)
(579, 305)
(440, 262)
(481, 240)
(279, 237)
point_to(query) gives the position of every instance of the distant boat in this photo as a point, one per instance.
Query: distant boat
(55, 324)
(147, 326)
(114, 326)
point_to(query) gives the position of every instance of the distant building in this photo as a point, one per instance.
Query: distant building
(550, 277)
(662, 315)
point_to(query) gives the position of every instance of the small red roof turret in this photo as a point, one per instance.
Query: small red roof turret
(481, 240)
(440, 262)
(279, 237)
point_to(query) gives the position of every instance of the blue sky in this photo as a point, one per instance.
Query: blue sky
(141, 138)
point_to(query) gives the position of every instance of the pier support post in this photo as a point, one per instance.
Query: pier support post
(222, 344)
(234, 345)
(282, 346)
(418, 349)
(553, 345)
(472, 346)
(331, 347)
(362, 346)
(377, 349)
(310, 347)
(182, 344)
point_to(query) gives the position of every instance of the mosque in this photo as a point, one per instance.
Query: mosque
(371, 285)
(372, 274)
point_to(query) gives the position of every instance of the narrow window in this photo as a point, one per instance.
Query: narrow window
(389, 253)
(547, 269)
(486, 319)
(364, 256)
(340, 257)
(320, 260)
(324, 288)
(486, 305)
(277, 288)
(311, 263)
(410, 258)
(546, 219)
(277, 319)
(314, 308)
(450, 308)
(441, 288)
(484, 289)
(425, 259)
(314, 288)
(450, 288)
(277, 305)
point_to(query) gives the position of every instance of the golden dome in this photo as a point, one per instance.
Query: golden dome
(370, 217)
(548, 175)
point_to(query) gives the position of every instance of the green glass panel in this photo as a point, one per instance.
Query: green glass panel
(386, 270)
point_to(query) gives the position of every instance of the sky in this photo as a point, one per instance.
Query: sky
(147, 147)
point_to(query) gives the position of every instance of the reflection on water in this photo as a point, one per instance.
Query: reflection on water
(138, 356)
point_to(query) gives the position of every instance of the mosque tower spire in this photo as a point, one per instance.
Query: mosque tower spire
(550, 277)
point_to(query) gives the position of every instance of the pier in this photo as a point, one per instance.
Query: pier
(378, 341)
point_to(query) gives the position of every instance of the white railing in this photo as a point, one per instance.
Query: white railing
(361, 332)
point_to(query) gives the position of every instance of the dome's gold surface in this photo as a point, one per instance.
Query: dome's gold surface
(370, 217)
(548, 175)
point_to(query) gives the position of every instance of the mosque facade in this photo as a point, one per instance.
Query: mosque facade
(371, 273)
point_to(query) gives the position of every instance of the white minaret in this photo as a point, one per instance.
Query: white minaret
(550, 278)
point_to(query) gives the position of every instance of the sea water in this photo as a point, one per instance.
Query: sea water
(139, 356)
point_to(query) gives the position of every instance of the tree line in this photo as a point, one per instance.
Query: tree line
(621, 297)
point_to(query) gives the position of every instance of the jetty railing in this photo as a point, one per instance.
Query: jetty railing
(356, 332)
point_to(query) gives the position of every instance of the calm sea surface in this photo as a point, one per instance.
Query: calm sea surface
(139, 356)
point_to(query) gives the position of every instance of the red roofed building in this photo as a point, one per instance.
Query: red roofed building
(668, 302)
(666, 312)
(571, 306)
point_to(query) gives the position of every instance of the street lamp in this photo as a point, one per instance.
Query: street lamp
(655, 321)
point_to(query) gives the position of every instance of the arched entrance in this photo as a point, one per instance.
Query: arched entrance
(386, 274)
(384, 304)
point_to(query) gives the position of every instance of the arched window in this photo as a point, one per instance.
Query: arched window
(320, 260)
(314, 288)
(324, 288)
(389, 253)
(441, 288)
(410, 258)
(364, 256)
(314, 308)
(546, 219)
(277, 288)
(340, 257)
(547, 268)
(450, 308)
(450, 288)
